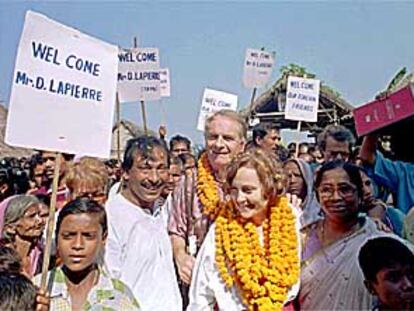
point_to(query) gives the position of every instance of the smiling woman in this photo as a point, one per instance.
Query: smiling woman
(250, 257)
(331, 244)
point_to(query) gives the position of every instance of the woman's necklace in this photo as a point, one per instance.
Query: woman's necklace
(331, 259)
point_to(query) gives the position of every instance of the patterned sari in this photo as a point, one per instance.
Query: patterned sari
(330, 277)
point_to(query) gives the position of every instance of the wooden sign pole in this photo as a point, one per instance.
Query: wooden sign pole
(50, 223)
(298, 139)
(144, 117)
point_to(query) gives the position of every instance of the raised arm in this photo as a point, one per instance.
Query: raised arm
(369, 149)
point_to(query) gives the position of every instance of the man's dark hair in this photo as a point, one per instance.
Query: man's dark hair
(176, 161)
(142, 145)
(9, 260)
(337, 132)
(83, 206)
(262, 129)
(43, 198)
(185, 157)
(352, 170)
(180, 139)
(383, 252)
(66, 156)
(17, 293)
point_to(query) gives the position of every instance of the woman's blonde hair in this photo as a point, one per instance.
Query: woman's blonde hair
(267, 166)
(87, 170)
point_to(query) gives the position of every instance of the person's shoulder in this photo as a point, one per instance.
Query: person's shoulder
(118, 205)
(124, 293)
(381, 159)
(55, 281)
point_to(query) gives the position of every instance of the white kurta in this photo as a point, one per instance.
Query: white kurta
(139, 253)
(207, 287)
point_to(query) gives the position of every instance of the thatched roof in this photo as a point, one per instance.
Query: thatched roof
(6, 150)
(270, 105)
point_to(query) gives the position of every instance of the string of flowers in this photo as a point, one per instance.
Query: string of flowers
(207, 191)
(264, 273)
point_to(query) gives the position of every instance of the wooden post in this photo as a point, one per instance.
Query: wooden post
(253, 96)
(118, 133)
(144, 117)
(50, 223)
(298, 139)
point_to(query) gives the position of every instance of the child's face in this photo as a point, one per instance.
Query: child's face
(394, 287)
(80, 240)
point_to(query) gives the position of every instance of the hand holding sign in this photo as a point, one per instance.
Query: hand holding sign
(63, 88)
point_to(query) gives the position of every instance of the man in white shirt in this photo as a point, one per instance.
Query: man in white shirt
(138, 250)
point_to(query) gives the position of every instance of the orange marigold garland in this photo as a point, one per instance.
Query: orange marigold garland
(264, 273)
(207, 189)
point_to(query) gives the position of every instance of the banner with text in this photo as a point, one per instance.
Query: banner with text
(63, 90)
(213, 101)
(165, 82)
(302, 99)
(139, 74)
(258, 66)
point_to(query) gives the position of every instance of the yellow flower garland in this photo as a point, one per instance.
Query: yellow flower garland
(207, 189)
(262, 274)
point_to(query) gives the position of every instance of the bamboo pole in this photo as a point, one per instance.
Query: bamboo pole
(50, 223)
(298, 139)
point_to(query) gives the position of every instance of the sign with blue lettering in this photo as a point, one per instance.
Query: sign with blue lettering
(139, 75)
(63, 90)
(258, 66)
(302, 99)
(213, 101)
(165, 82)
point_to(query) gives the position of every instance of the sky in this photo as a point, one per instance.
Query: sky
(355, 47)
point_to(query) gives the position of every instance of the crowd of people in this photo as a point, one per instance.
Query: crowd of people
(245, 224)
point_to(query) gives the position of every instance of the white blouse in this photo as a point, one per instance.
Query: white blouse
(208, 288)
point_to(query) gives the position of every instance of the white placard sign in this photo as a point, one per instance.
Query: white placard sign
(63, 90)
(302, 99)
(165, 82)
(139, 74)
(213, 101)
(258, 66)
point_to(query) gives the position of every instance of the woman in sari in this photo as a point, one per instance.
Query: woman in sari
(330, 275)
(250, 257)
